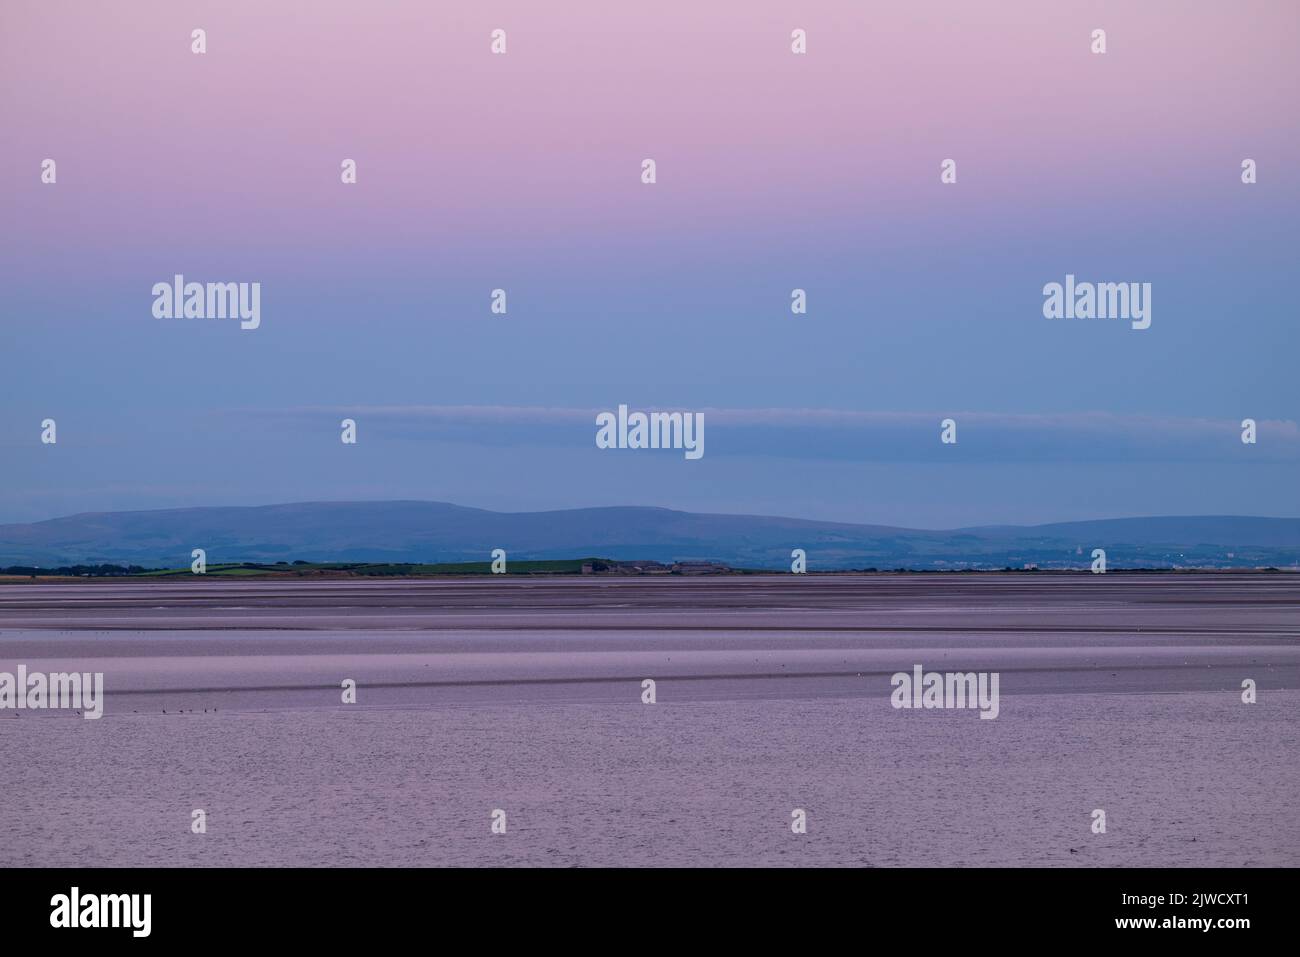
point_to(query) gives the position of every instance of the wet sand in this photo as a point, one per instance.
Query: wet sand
(1117, 692)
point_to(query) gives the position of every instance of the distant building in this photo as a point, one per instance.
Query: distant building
(597, 567)
(699, 568)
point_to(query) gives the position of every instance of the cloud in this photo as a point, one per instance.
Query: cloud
(851, 435)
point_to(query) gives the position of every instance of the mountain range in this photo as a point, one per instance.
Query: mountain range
(409, 531)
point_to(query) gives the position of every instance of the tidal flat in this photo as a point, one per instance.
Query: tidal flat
(772, 694)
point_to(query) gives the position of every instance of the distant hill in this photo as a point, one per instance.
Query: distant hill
(440, 532)
(1210, 529)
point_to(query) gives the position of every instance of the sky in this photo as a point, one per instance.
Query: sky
(774, 171)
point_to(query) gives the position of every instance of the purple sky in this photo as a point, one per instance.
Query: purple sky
(775, 171)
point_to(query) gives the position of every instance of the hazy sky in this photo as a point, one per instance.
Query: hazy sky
(775, 171)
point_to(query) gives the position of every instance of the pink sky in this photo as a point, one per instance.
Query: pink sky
(159, 147)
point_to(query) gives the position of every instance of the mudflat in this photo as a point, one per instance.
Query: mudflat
(772, 693)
